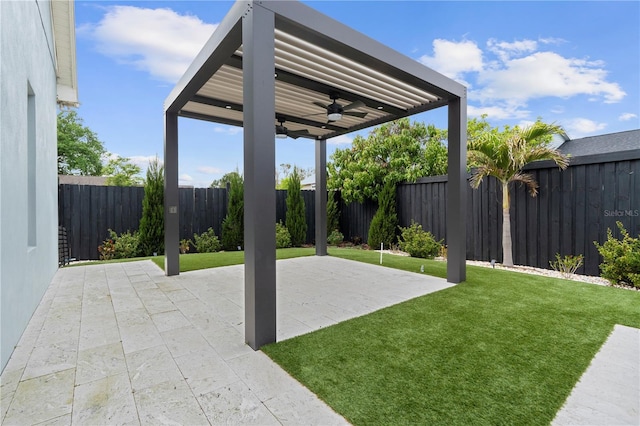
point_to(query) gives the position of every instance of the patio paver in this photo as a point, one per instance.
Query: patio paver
(123, 344)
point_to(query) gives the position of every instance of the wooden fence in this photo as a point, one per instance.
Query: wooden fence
(88, 212)
(574, 208)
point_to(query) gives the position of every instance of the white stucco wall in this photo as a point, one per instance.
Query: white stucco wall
(26, 60)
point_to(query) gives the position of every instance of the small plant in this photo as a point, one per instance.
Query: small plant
(443, 252)
(185, 245)
(335, 238)
(621, 258)
(207, 242)
(418, 242)
(283, 238)
(567, 265)
(107, 249)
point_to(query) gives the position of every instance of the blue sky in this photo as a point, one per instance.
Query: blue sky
(575, 63)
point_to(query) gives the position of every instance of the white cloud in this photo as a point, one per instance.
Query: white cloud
(546, 74)
(506, 75)
(228, 130)
(208, 170)
(340, 140)
(627, 116)
(498, 112)
(158, 41)
(185, 179)
(580, 127)
(505, 50)
(454, 59)
(143, 160)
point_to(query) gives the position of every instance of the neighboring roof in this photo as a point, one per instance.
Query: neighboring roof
(315, 56)
(64, 35)
(82, 180)
(602, 144)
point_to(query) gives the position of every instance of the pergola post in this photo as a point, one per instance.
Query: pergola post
(259, 178)
(321, 197)
(171, 221)
(457, 191)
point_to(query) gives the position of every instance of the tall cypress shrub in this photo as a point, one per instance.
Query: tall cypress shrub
(385, 221)
(151, 230)
(233, 223)
(295, 220)
(333, 213)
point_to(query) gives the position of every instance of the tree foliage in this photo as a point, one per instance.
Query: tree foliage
(151, 231)
(503, 155)
(283, 176)
(295, 218)
(79, 149)
(121, 172)
(233, 223)
(385, 221)
(393, 152)
(226, 179)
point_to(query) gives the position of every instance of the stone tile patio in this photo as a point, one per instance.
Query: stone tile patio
(123, 344)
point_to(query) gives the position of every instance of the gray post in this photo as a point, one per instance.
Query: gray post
(171, 225)
(321, 197)
(457, 191)
(259, 179)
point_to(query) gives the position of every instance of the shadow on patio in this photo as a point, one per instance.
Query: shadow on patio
(122, 343)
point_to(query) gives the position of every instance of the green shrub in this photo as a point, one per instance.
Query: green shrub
(207, 242)
(233, 223)
(151, 231)
(385, 221)
(295, 219)
(621, 258)
(335, 238)
(333, 214)
(567, 265)
(126, 245)
(283, 238)
(418, 242)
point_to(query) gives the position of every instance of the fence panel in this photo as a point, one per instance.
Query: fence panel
(574, 208)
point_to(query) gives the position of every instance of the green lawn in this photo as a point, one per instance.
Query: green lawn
(501, 348)
(195, 261)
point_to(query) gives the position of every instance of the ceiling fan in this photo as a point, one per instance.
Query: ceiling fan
(335, 111)
(282, 132)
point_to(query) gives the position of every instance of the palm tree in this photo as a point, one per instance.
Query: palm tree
(503, 155)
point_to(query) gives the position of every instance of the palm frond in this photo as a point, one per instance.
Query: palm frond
(528, 180)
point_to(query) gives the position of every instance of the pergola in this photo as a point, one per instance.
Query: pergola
(281, 62)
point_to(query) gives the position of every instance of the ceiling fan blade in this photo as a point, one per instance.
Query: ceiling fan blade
(355, 114)
(295, 134)
(320, 104)
(353, 105)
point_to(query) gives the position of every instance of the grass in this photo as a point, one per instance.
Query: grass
(501, 348)
(195, 261)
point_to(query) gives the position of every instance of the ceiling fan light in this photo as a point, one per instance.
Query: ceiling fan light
(334, 116)
(334, 111)
(281, 132)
